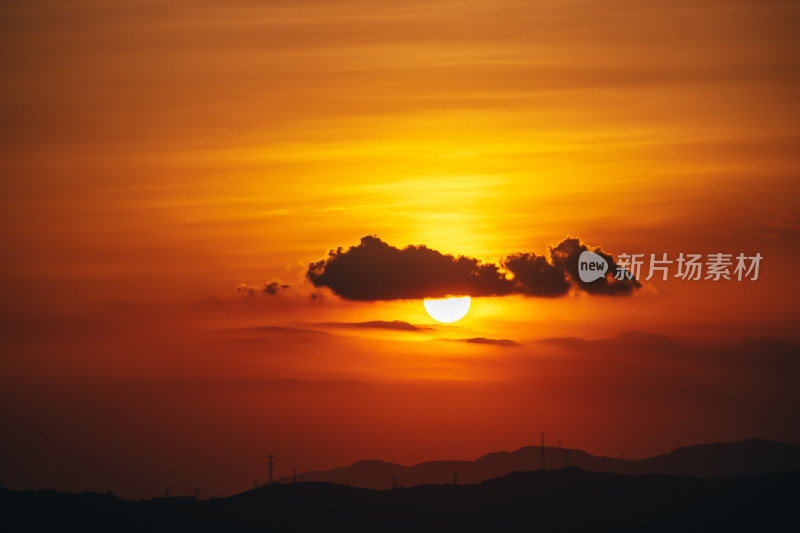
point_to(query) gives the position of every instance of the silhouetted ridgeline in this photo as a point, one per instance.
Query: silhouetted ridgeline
(554, 500)
(746, 458)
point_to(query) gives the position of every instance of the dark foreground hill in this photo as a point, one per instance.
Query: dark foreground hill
(557, 500)
(751, 457)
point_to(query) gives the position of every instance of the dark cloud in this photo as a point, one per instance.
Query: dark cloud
(564, 257)
(627, 341)
(376, 324)
(535, 276)
(494, 342)
(281, 330)
(271, 288)
(374, 270)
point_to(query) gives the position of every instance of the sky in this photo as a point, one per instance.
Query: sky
(163, 164)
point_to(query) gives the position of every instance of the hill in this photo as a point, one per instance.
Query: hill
(557, 500)
(751, 457)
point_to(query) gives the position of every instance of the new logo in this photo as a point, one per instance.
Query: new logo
(591, 266)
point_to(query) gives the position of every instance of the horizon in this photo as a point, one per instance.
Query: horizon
(259, 484)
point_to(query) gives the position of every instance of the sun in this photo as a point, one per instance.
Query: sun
(447, 309)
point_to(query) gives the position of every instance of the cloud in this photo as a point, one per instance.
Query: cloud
(627, 341)
(375, 270)
(271, 288)
(494, 342)
(376, 324)
(535, 276)
(281, 330)
(564, 257)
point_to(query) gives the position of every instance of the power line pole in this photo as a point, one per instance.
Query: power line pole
(455, 477)
(269, 469)
(166, 492)
(197, 493)
(541, 459)
(294, 475)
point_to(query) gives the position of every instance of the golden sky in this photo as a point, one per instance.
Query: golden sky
(156, 155)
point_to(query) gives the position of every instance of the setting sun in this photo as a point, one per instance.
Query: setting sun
(448, 310)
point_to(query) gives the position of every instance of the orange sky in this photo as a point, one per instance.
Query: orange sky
(155, 155)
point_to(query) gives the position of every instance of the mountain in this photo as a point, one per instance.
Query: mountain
(555, 500)
(745, 458)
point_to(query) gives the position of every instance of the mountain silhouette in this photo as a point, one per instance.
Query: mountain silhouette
(745, 458)
(554, 500)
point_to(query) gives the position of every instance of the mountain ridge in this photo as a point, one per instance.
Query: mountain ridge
(749, 457)
(568, 499)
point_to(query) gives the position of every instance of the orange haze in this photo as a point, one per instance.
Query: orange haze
(155, 156)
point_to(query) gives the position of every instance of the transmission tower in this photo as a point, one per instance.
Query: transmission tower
(541, 458)
(269, 469)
